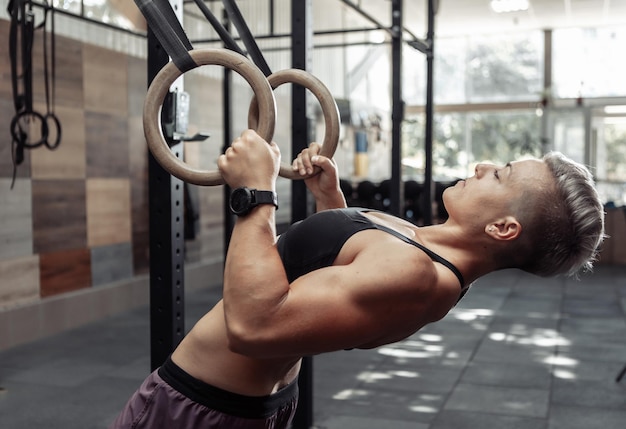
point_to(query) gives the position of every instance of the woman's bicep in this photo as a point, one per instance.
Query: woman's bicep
(335, 308)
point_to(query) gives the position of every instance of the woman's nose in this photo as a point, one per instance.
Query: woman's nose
(481, 168)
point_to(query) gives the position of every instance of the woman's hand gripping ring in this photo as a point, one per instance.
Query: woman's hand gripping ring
(159, 89)
(329, 110)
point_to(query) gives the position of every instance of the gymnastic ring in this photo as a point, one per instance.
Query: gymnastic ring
(160, 87)
(57, 124)
(16, 128)
(329, 110)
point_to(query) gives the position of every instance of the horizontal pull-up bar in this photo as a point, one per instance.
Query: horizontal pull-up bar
(379, 25)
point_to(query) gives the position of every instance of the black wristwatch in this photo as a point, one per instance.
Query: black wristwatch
(243, 200)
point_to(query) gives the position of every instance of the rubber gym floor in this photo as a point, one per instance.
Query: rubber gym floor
(519, 352)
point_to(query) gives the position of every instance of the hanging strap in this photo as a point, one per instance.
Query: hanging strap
(228, 40)
(49, 71)
(22, 22)
(248, 39)
(21, 38)
(167, 28)
(244, 32)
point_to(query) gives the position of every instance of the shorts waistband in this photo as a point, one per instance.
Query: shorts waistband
(251, 407)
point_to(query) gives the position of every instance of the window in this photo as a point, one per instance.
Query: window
(113, 12)
(505, 68)
(463, 139)
(568, 133)
(608, 143)
(589, 62)
(478, 70)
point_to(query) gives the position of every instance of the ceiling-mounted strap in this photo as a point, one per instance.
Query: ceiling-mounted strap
(248, 39)
(228, 40)
(167, 28)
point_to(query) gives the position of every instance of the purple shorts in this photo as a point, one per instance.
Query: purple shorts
(170, 398)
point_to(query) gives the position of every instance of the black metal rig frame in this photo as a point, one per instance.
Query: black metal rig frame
(166, 192)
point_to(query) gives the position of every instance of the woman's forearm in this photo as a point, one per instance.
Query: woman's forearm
(331, 200)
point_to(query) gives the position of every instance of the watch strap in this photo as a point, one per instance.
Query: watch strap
(264, 197)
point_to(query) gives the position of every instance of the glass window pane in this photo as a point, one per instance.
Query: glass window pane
(501, 137)
(505, 68)
(568, 133)
(463, 139)
(450, 147)
(450, 71)
(413, 76)
(609, 158)
(72, 6)
(589, 62)
(478, 70)
(615, 140)
(114, 12)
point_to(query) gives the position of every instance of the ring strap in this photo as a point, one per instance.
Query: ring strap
(246, 35)
(167, 28)
(228, 40)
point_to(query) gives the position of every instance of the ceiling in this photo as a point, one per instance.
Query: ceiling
(460, 17)
(454, 17)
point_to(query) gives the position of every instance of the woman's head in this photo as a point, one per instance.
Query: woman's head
(564, 227)
(544, 214)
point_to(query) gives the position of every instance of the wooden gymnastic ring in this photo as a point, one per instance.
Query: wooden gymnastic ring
(329, 110)
(160, 87)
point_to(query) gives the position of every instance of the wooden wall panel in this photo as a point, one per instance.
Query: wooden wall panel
(16, 221)
(59, 215)
(137, 85)
(111, 263)
(68, 160)
(139, 194)
(105, 80)
(69, 72)
(108, 211)
(64, 271)
(19, 279)
(7, 111)
(5, 64)
(107, 145)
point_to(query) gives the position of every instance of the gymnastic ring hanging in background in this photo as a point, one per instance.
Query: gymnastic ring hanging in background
(21, 136)
(57, 126)
(329, 110)
(160, 87)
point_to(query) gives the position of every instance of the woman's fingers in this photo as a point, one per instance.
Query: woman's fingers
(304, 161)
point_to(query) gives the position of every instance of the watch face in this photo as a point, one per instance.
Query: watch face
(240, 201)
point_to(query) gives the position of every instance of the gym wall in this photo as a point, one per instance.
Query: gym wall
(74, 228)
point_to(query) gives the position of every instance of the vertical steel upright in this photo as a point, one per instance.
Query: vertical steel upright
(546, 102)
(166, 198)
(301, 50)
(227, 87)
(428, 132)
(396, 195)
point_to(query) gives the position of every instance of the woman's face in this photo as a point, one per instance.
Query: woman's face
(496, 191)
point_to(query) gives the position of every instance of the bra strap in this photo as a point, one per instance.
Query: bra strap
(435, 257)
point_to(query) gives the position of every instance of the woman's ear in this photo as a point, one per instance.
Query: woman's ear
(507, 228)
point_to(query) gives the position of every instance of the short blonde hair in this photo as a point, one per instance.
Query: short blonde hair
(568, 226)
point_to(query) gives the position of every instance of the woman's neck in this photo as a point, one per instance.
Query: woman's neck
(471, 253)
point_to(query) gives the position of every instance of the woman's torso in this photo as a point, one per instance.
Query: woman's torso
(204, 352)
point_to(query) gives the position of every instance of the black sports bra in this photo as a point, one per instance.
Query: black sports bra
(315, 242)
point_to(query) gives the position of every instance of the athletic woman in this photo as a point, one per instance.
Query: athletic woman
(352, 278)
